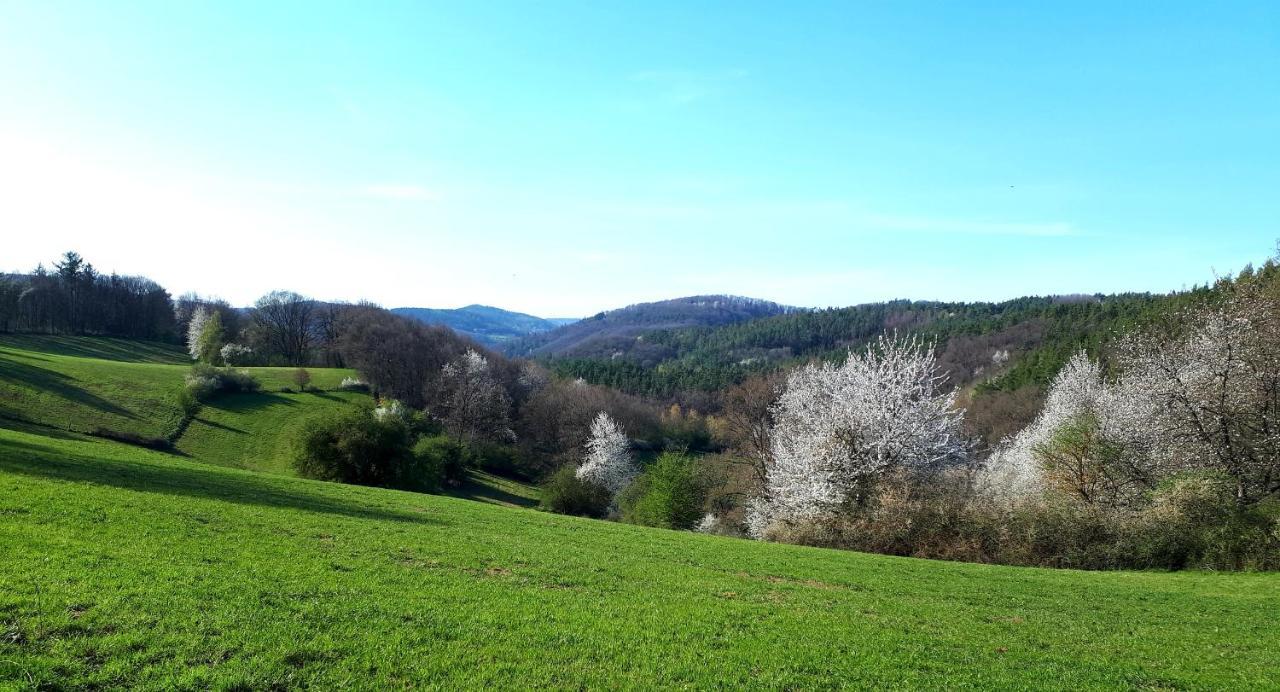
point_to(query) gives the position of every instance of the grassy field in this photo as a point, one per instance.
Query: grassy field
(126, 567)
(253, 431)
(84, 383)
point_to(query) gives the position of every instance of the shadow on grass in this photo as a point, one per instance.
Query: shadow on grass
(473, 489)
(59, 384)
(13, 421)
(104, 348)
(187, 481)
(248, 403)
(219, 426)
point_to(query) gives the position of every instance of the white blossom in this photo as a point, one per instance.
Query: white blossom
(709, 523)
(1012, 473)
(475, 404)
(392, 409)
(195, 330)
(608, 461)
(837, 426)
(235, 354)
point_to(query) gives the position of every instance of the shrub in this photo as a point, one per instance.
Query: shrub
(353, 446)
(235, 354)
(565, 493)
(302, 378)
(187, 402)
(443, 459)
(669, 494)
(354, 384)
(206, 381)
(156, 443)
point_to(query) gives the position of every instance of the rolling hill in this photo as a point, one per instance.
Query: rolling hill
(605, 333)
(486, 325)
(1004, 345)
(126, 567)
(210, 566)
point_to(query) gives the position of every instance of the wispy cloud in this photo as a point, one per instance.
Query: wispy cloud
(831, 214)
(682, 87)
(402, 192)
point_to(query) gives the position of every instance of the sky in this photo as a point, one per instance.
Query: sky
(562, 158)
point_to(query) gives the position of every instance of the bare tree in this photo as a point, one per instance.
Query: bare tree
(746, 422)
(475, 406)
(284, 323)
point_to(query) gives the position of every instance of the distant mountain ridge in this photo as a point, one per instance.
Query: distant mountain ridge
(485, 324)
(622, 329)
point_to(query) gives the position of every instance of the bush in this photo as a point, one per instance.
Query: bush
(353, 384)
(235, 354)
(565, 493)
(353, 446)
(187, 402)
(156, 443)
(205, 381)
(302, 378)
(443, 459)
(669, 494)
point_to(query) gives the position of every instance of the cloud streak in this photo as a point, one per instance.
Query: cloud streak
(400, 192)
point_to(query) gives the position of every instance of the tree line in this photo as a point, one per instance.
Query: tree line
(74, 298)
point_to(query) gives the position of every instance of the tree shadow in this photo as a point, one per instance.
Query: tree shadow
(189, 480)
(100, 347)
(219, 426)
(13, 421)
(249, 403)
(473, 489)
(59, 384)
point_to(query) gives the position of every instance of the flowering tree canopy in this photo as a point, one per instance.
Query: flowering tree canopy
(608, 462)
(1204, 398)
(838, 426)
(195, 331)
(476, 407)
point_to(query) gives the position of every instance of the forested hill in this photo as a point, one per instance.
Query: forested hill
(1004, 345)
(625, 329)
(487, 325)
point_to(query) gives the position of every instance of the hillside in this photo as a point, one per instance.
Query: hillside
(127, 567)
(88, 384)
(254, 431)
(1006, 345)
(485, 324)
(114, 387)
(604, 334)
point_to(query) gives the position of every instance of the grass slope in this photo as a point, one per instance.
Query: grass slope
(126, 567)
(84, 383)
(254, 431)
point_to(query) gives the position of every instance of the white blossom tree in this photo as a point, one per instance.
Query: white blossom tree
(475, 405)
(838, 427)
(608, 461)
(1215, 393)
(1092, 439)
(1204, 394)
(195, 332)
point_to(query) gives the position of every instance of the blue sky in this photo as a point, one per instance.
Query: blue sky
(563, 158)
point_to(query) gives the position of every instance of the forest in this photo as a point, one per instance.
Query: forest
(1081, 431)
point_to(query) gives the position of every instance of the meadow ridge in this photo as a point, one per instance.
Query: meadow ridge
(128, 567)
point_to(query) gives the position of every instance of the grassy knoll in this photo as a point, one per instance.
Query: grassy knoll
(254, 431)
(126, 567)
(85, 383)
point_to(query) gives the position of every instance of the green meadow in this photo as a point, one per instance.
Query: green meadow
(213, 567)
